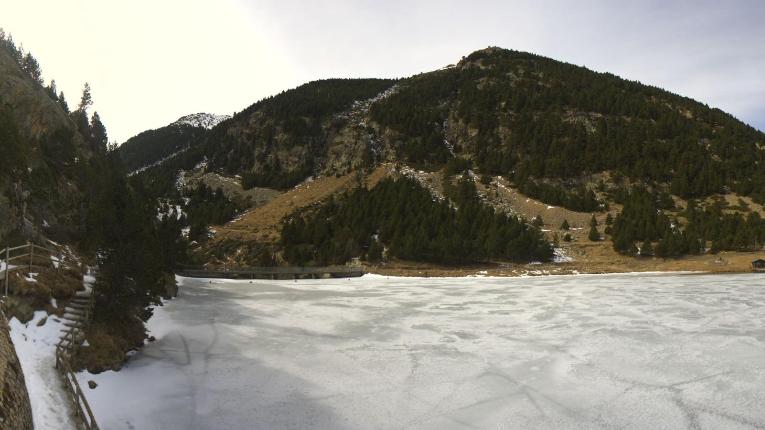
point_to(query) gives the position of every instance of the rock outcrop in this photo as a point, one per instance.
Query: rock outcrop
(15, 409)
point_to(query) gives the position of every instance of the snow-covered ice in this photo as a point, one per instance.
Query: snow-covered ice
(565, 352)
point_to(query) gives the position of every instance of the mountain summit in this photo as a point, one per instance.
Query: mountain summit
(203, 120)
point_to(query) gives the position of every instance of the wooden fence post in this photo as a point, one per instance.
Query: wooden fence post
(7, 257)
(31, 257)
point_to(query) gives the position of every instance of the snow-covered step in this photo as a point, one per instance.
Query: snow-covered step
(73, 324)
(77, 305)
(74, 316)
(67, 342)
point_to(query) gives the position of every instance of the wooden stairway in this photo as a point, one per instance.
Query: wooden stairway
(77, 315)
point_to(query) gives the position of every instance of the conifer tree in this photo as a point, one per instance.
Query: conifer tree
(86, 100)
(32, 68)
(646, 249)
(594, 235)
(80, 116)
(52, 91)
(374, 254)
(62, 102)
(564, 225)
(98, 136)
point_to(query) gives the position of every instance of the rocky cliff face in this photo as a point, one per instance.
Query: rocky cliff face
(38, 117)
(15, 409)
(40, 150)
(317, 128)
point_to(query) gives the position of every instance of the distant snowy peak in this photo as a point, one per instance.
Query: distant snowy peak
(204, 120)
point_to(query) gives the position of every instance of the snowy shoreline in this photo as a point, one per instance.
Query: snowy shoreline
(541, 275)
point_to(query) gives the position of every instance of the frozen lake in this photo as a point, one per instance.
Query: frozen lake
(612, 351)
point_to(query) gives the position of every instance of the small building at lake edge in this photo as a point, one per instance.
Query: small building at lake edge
(758, 265)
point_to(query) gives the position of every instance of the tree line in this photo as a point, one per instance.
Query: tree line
(644, 228)
(405, 220)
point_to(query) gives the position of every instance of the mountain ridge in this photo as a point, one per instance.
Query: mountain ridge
(562, 134)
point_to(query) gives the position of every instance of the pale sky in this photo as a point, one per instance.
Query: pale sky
(150, 62)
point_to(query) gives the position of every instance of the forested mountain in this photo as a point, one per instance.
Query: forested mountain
(510, 113)
(152, 147)
(557, 132)
(531, 117)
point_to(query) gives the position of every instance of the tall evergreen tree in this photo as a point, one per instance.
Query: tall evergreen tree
(52, 91)
(32, 68)
(594, 235)
(86, 100)
(62, 102)
(98, 137)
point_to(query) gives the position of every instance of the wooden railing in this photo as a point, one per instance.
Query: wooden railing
(269, 272)
(25, 255)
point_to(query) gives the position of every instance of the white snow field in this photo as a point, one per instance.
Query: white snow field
(557, 352)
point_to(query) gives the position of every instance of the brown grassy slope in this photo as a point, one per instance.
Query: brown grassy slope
(263, 224)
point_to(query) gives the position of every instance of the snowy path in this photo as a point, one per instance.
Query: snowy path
(36, 348)
(617, 351)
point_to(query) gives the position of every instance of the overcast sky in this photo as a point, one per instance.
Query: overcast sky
(150, 61)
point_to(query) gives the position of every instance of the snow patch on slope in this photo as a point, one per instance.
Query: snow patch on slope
(158, 162)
